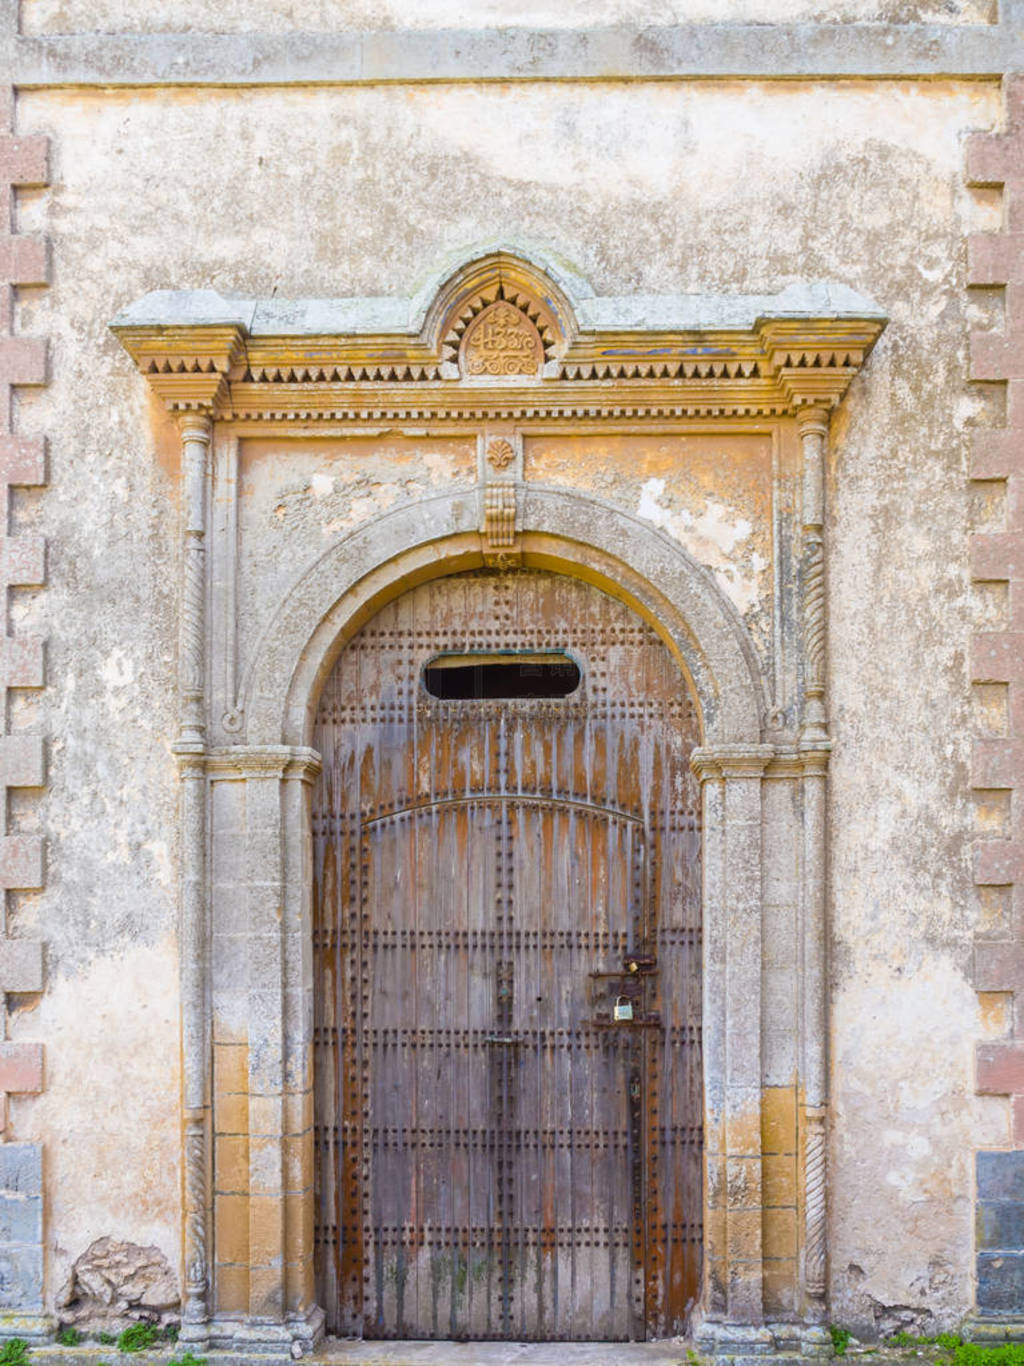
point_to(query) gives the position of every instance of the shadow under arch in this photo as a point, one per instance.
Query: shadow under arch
(565, 532)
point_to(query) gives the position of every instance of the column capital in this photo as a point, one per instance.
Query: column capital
(731, 761)
(814, 757)
(812, 421)
(196, 425)
(264, 761)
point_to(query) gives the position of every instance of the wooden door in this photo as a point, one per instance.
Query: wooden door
(507, 859)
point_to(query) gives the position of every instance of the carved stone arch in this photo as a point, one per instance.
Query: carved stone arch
(567, 533)
(495, 277)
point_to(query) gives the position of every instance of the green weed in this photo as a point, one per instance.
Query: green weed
(973, 1354)
(187, 1359)
(69, 1337)
(14, 1352)
(840, 1340)
(136, 1338)
(107, 1340)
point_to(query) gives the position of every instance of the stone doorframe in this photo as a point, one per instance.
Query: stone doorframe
(247, 766)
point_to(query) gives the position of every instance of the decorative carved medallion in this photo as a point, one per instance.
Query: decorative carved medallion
(501, 341)
(500, 453)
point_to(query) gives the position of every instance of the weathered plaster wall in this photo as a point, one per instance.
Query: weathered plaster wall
(713, 494)
(295, 498)
(656, 188)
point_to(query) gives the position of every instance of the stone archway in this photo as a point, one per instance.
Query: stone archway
(702, 632)
(500, 351)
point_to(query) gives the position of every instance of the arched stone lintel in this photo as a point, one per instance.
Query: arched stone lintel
(564, 532)
(529, 268)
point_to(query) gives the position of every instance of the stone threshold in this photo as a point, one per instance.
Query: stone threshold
(338, 1352)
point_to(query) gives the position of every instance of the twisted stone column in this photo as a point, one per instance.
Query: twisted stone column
(814, 746)
(193, 934)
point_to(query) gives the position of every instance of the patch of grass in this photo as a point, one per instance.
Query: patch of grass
(840, 1339)
(14, 1352)
(1004, 1354)
(107, 1340)
(171, 1331)
(948, 1342)
(187, 1359)
(69, 1337)
(136, 1338)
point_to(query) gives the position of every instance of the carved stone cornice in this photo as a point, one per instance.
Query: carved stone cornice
(814, 360)
(571, 355)
(187, 366)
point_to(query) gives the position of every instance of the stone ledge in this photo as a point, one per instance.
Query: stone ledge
(613, 52)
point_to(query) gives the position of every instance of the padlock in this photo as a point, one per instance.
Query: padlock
(623, 1010)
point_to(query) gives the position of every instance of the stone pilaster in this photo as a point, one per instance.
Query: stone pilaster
(263, 1037)
(814, 746)
(194, 931)
(731, 778)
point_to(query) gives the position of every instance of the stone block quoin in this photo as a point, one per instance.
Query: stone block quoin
(997, 673)
(23, 262)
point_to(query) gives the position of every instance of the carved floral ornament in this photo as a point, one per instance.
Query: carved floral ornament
(500, 338)
(500, 453)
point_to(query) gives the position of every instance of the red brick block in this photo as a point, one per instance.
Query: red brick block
(21, 965)
(23, 559)
(998, 862)
(985, 159)
(997, 763)
(997, 657)
(21, 863)
(995, 356)
(1018, 1121)
(21, 1067)
(22, 761)
(993, 257)
(25, 161)
(23, 665)
(22, 360)
(23, 261)
(997, 452)
(997, 554)
(22, 460)
(999, 965)
(1001, 1068)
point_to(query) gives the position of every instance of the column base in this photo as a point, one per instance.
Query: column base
(30, 1327)
(734, 1339)
(998, 1328)
(788, 1341)
(301, 1332)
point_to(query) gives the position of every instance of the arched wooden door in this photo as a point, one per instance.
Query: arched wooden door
(508, 991)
